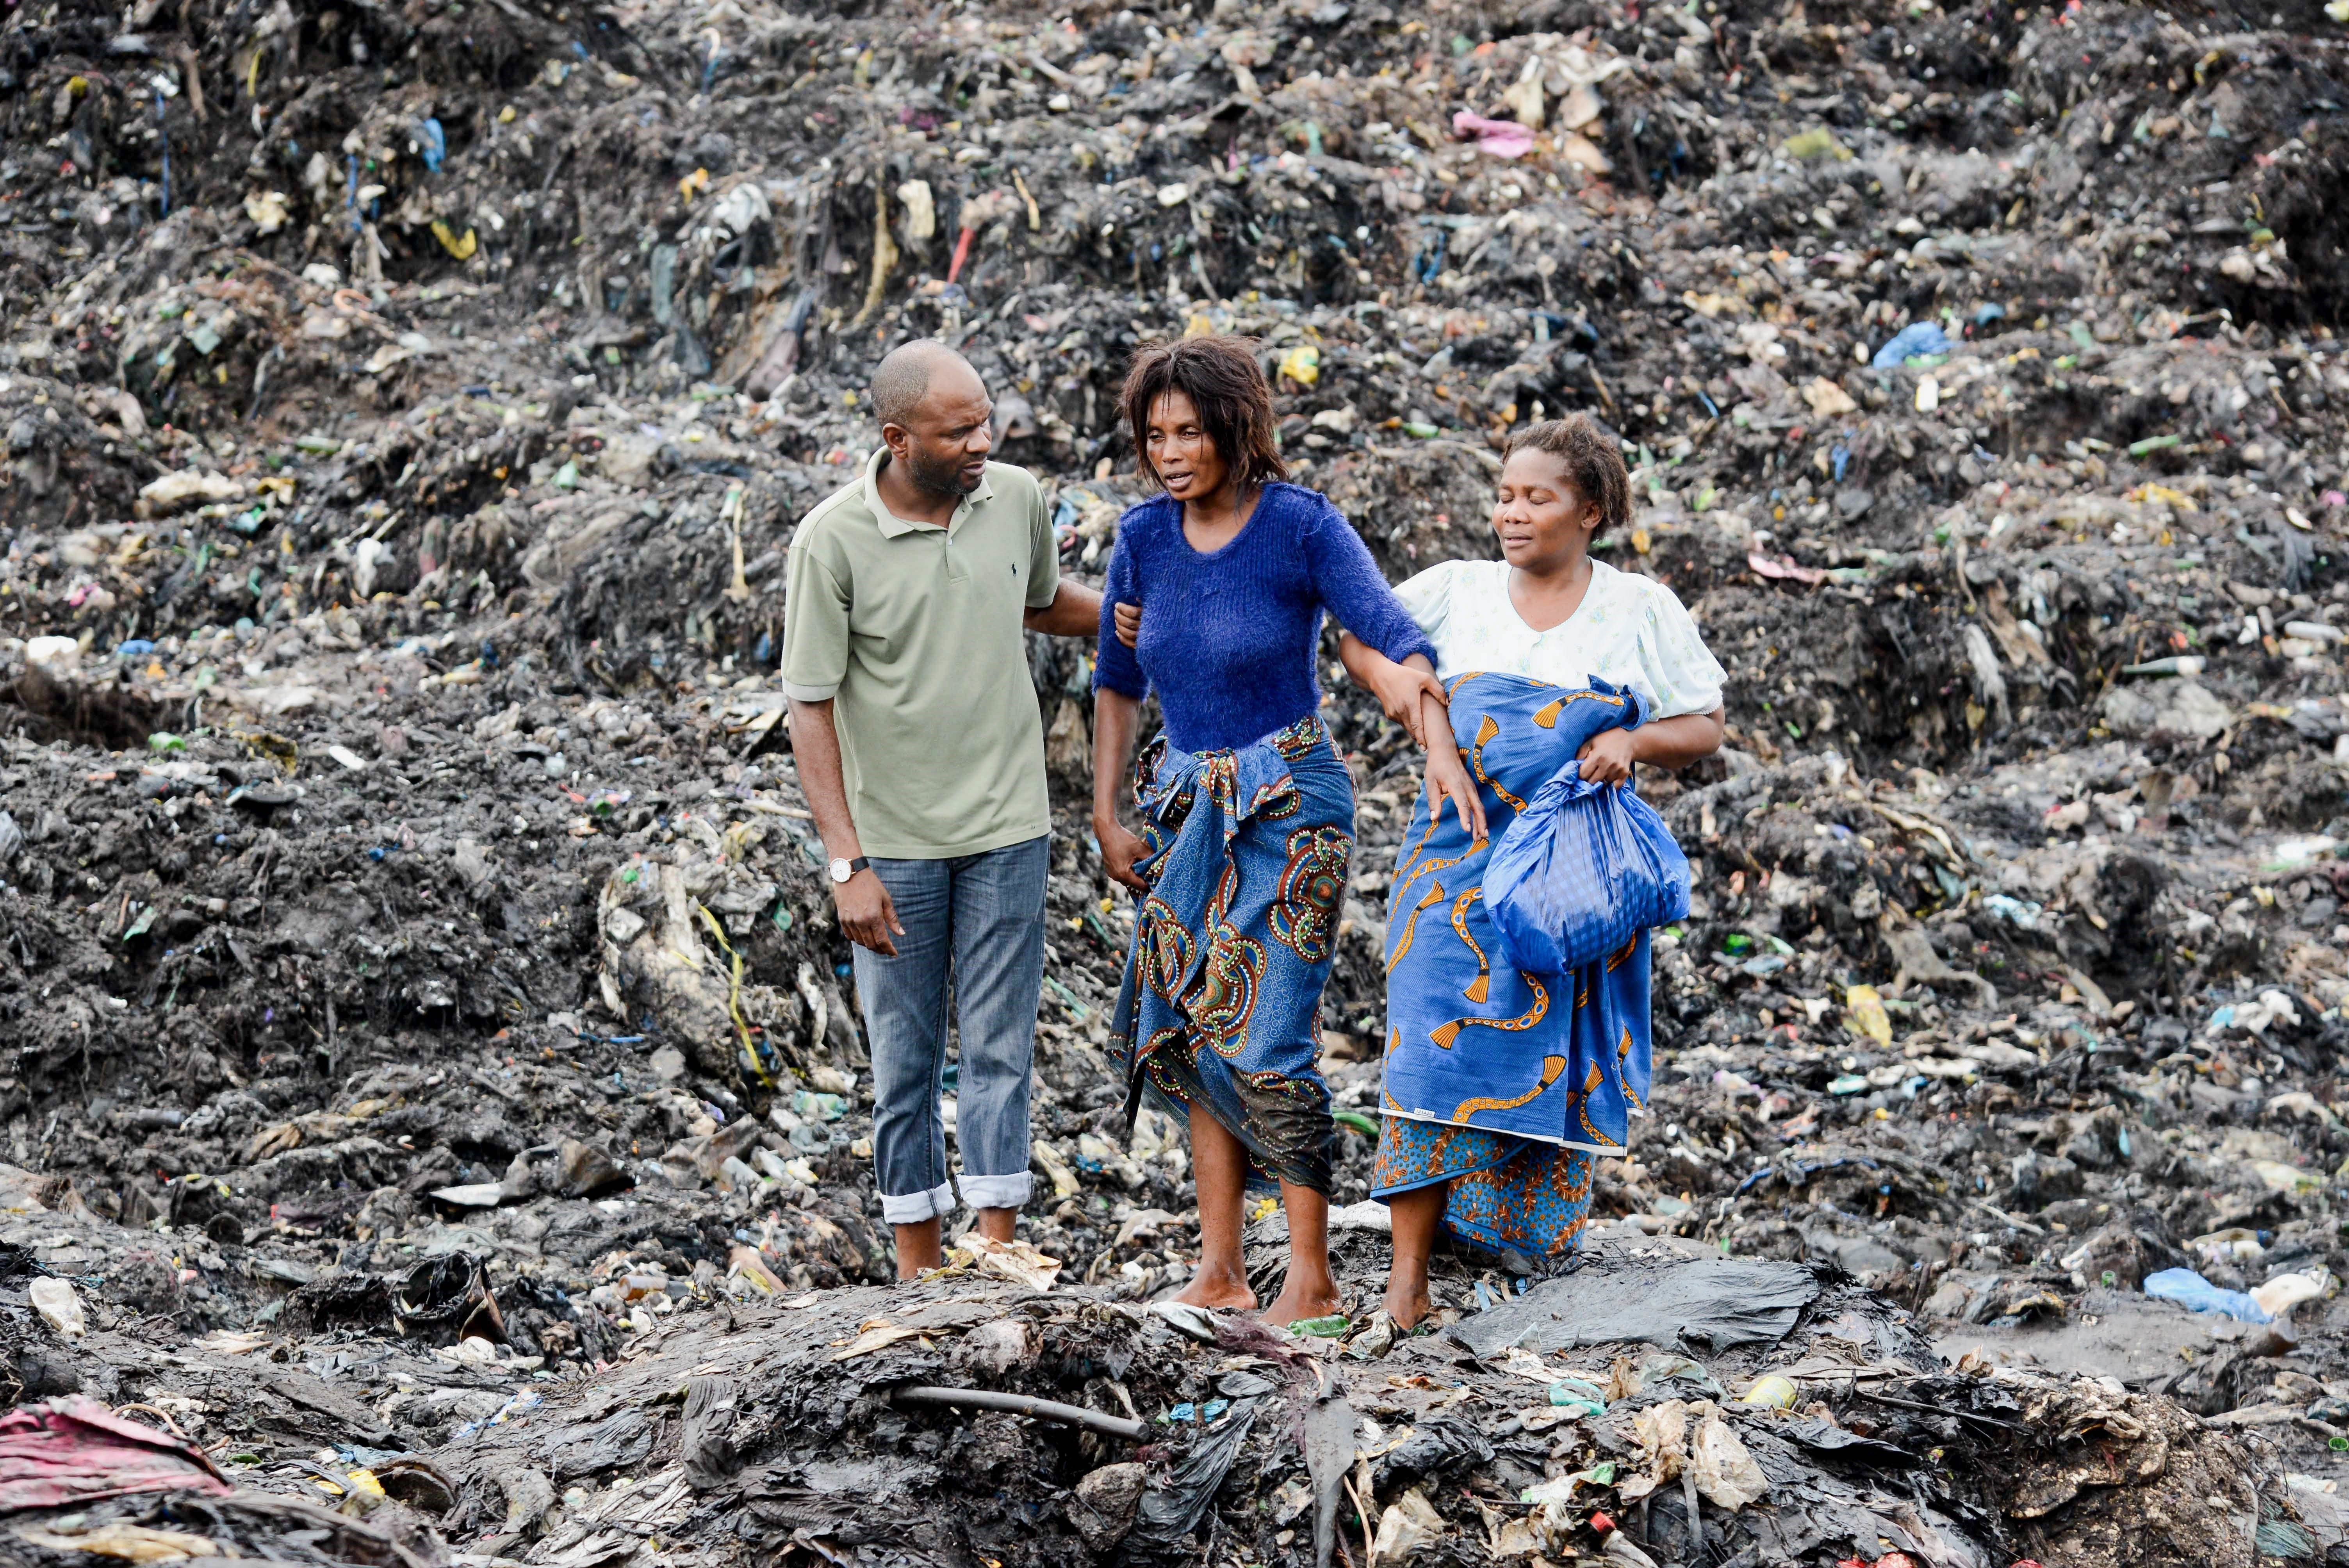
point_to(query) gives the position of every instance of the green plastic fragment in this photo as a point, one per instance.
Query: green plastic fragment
(1331, 1327)
(1810, 146)
(1356, 1120)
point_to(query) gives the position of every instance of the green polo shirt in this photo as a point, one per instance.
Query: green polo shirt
(916, 633)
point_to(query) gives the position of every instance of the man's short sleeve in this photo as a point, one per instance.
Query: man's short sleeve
(1044, 551)
(815, 629)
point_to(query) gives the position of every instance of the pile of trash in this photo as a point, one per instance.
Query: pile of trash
(429, 1067)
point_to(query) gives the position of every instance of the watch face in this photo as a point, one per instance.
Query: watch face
(840, 872)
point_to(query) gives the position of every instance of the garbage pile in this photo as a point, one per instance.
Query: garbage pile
(417, 998)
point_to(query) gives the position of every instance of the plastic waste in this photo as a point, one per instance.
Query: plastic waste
(1866, 1013)
(1583, 869)
(1177, 1502)
(2191, 1291)
(1574, 1393)
(1919, 337)
(60, 1306)
(1700, 1302)
(2278, 1295)
(1500, 138)
(1772, 1391)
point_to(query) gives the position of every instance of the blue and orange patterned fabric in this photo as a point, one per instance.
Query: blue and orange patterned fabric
(1247, 853)
(1510, 1194)
(1558, 1062)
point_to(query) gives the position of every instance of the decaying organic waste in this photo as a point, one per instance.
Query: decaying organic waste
(430, 1092)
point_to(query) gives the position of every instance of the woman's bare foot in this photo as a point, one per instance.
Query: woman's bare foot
(1300, 1299)
(1218, 1291)
(1406, 1302)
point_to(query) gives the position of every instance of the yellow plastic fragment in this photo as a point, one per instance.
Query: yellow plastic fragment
(461, 248)
(1864, 1012)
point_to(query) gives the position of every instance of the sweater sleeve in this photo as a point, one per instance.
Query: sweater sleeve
(1114, 664)
(1349, 583)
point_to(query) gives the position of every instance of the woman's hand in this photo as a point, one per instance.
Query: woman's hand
(1120, 848)
(1400, 688)
(1606, 756)
(1129, 622)
(1447, 779)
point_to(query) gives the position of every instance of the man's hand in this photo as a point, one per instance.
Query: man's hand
(1129, 622)
(866, 913)
(1120, 848)
(1606, 756)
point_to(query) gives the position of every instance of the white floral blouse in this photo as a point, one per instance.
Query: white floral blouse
(1629, 631)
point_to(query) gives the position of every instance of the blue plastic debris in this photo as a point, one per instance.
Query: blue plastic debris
(2020, 913)
(433, 143)
(1917, 338)
(2191, 1291)
(133, 647)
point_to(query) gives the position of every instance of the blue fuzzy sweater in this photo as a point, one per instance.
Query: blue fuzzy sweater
(1229, 639)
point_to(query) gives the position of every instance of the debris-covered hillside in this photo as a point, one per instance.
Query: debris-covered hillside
(425, 1046)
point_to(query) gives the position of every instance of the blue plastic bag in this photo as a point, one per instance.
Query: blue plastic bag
(1919, 337)
(2190, 1290)
(1583, 869)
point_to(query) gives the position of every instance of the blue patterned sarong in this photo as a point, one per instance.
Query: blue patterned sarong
(1219, 1008)
(1512, 1081)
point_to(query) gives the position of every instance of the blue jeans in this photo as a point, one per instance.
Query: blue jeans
(974, 926)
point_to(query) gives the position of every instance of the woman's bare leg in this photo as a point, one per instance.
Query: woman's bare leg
(1416, 1215)
(1309, 1292)
(1219, 1169)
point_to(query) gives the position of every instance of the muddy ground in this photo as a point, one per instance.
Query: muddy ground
(406, 902)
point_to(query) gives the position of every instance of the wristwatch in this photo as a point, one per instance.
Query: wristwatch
(843, 870)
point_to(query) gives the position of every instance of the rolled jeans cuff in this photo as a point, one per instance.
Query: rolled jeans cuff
(913, 1207)
(998, 1192)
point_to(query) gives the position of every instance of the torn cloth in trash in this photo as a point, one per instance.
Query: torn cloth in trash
(75, 1451)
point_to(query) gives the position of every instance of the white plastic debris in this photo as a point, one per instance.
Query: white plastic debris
(60, 1305)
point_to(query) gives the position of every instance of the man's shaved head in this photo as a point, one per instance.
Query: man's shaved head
(935, 417)
(905, 375)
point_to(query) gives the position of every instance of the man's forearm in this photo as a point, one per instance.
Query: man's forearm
(1075, 611)
(815, 748)
(1677, 742)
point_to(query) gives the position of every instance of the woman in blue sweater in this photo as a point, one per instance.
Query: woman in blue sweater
(1246, 810)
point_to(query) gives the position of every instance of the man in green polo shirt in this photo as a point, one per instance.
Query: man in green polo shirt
(921, 747)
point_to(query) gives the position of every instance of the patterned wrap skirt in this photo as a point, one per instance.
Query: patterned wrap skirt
(1247, 860)
(1508, 1084)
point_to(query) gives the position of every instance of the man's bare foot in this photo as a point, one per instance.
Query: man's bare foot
(1299, 1300)
(1218, 1292)
(1406, 1304)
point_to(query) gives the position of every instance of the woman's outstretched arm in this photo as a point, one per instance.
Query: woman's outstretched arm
(1116, 718)
(1414, 698)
